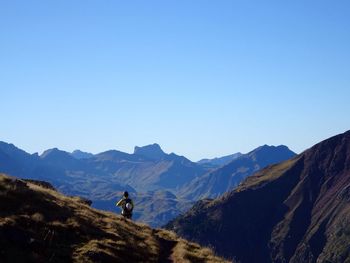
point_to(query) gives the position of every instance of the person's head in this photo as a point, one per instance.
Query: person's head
(126, 194)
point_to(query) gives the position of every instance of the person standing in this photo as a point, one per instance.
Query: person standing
(127, 205)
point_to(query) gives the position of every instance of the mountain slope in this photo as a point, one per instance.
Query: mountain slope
(295, 211)
(219, 161)
(155, 208)
(224, 179)
(77, 154)
(38, 224)
(16, 161)
(148, 169)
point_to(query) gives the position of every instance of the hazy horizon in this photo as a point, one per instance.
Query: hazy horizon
(71, 150)
(202, 79)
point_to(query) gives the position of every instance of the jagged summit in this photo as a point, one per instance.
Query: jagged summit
(153, 151)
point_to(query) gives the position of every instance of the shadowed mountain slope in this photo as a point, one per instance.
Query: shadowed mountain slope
(38, 224)
(224, 179)
(295, 211)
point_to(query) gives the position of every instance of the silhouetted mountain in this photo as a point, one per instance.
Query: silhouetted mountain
(77, 154)
(220, 161)
(38, 224)
(225, 178)
(295, 211)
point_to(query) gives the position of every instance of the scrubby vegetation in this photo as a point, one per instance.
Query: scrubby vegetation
(38, 224)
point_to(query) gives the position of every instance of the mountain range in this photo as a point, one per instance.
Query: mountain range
(294, 211)
(163, 185)
(148, 168)
(227, 177)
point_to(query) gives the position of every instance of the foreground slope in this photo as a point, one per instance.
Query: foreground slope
(295, 211)
(38, 224)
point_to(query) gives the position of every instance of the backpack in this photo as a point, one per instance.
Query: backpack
(127, 206)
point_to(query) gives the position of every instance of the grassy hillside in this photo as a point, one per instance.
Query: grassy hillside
(38, 224)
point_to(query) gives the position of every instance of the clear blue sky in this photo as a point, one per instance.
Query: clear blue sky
(201, 78)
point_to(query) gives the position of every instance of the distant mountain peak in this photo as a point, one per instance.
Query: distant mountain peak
(267, 148)
(153, 151)
(77, 154)
(10, 148)
(49, 152)
(5, 144)
(266, 154)
(54, 152)
(228, 176)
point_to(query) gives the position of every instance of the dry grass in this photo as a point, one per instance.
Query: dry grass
(41, 225)
(266, 175)
(189, 252)
(183, 251)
